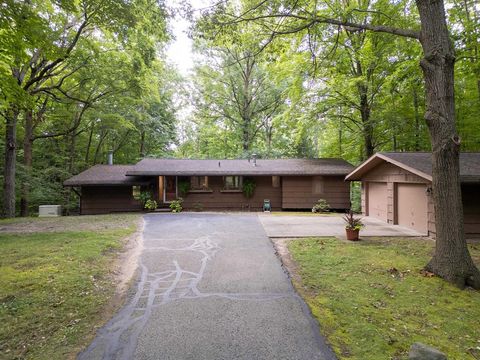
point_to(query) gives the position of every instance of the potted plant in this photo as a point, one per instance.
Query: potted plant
(353, 226)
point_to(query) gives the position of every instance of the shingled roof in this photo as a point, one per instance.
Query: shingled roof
(105, 175)
(419, 163)
(188, 167)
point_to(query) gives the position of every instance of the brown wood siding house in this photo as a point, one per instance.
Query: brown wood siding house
(397, 188)
(215, 184)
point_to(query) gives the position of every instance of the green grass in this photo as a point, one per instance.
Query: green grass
(373, 302)
(54, 287)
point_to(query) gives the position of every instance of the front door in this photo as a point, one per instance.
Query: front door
(170, 188)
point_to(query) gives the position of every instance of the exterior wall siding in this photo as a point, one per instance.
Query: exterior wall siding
(107, 199)
(302, 192)
(217, 199)
(471, 210)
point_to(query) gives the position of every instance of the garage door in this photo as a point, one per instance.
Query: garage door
(412, 208)
(377, 200)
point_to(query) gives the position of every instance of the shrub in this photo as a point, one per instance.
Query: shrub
(150, 204)
(321, 206)
(176, 205)
(183, 187)
(248, 187)
(144, 197)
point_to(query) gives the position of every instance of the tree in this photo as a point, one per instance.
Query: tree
(46, 45)
(451, 260)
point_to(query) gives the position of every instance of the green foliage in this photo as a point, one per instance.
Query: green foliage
(376, 290)
(248, 187)
(176, 205)
(85, 95)
(183, 187)
(54, 284)
(145, 196)
(321, 206)
(150, 205)
(352, 222)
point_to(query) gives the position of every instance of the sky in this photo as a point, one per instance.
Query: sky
(180, 50)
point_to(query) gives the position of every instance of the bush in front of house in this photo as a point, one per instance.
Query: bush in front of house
(248, 187)
(176, 205)
(321, 206)
(150, 205)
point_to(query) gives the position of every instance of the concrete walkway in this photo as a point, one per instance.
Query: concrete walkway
(210, 287)
(286, 226)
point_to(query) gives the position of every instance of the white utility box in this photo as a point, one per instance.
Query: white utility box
(49, 210)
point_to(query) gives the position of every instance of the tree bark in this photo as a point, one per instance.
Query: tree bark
(27, 162)
(10, 163)
(451, 260)
(142, 144)
(417, 119)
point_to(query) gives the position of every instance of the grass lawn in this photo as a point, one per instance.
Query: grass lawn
(373, 302)
(55, 282)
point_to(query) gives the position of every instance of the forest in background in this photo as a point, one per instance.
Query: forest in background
(81, 78)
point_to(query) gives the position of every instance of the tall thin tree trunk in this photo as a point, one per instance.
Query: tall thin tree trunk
(27, 162)
(71, 162)
(369, 147)
(142, 144)
(10, 163)
(89, 144)
(417, 119)
(451, 260)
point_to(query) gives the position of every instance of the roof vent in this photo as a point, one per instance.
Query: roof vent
(219, 164)
(254, 158)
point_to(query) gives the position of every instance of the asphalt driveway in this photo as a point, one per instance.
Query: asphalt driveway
(290, 226)
(210, 287)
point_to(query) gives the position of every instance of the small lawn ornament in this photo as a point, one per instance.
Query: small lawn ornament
(266, 205)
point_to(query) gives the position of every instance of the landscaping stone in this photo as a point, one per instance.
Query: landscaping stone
(420, 351)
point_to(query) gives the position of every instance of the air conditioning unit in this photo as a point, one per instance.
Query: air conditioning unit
(49, 210)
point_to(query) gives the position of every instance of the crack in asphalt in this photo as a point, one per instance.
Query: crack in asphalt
(118, 338)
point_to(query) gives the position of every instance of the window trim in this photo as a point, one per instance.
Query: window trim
(199, 189)
(233, 189)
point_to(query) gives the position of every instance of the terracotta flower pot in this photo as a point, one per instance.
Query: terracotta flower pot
(352, 234)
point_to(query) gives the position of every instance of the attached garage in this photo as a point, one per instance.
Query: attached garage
(397, 188)
(377, 200)
(412, 206)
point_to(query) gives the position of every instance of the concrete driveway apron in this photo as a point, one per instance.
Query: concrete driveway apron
(210, 287)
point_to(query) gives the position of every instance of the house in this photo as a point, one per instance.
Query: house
(397, 188)
(214, 184)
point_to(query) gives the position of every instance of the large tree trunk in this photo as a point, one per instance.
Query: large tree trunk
(451, 260)
(10, 159)
(27, 162)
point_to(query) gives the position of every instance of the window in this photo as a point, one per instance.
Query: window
(136, 191)
(232, 182)
(199, 182)
(276, 181)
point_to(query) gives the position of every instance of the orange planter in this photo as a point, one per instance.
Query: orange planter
(352, 234)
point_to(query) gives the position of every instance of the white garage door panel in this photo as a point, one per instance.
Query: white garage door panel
(377, 200)
(412, 208)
